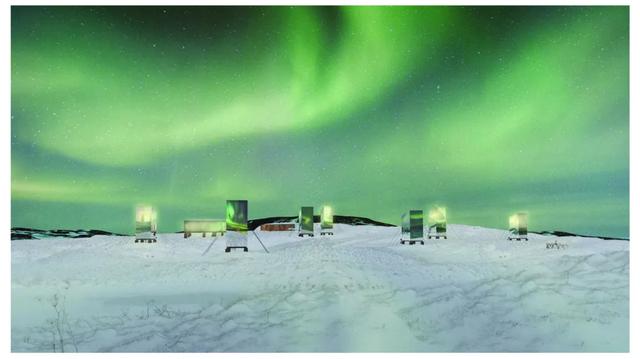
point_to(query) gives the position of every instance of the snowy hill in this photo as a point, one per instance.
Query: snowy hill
(359, 290)
(569, 234)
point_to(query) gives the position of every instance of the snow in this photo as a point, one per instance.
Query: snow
(358, 290)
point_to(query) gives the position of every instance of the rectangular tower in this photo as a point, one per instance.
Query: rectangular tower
(237, 218)
(326, 221)
(305, 222)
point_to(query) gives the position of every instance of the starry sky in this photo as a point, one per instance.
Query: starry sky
(373, 110)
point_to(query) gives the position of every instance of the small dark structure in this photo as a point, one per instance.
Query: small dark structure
(557, 245)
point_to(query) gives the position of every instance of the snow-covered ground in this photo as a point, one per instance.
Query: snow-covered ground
(359, 290)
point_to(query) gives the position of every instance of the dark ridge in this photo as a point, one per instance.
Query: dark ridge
(27, 229)
(357, 221)
(255, 223)
(569, 234)
(20, 236)
(352, 220)
(95, 232)
(19, 233)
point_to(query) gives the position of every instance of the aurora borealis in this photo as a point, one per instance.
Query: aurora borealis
(372, 110)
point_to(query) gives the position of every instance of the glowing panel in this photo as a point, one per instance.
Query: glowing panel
(237, 215)
(438, 218)
(327, 218)
(415, 223)
(305, 218)
(145, 219)
(518, 223)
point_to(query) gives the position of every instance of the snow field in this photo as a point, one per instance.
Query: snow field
(359, 290)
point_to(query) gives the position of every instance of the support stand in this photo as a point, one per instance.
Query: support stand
(145, 240)
(518, 238)
(204, 234)
(437, 236)
(255, 234)
(210, 245)
(412, 242)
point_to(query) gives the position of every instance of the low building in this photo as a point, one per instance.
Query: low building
(204, 226)
(277, 227)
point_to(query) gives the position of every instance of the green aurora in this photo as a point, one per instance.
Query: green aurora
(372, 110)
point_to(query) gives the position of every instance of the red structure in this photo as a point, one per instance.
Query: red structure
(273, 227)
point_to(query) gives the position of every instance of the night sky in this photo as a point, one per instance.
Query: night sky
(373, 110)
